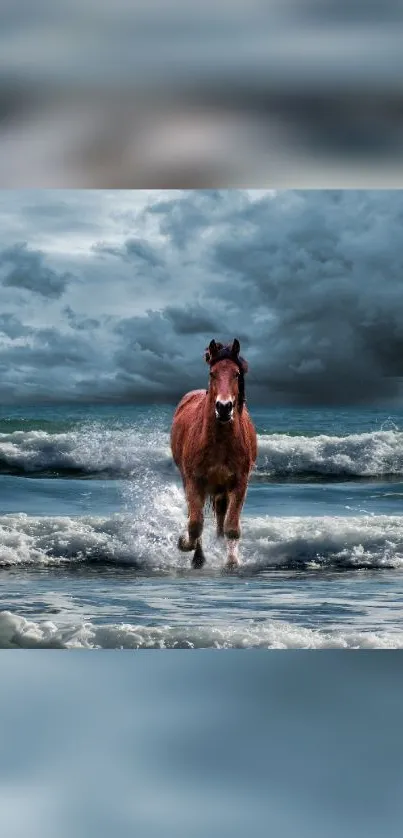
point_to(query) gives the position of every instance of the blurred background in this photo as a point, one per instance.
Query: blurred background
(174, 94)
(201, 744)
(167, 95)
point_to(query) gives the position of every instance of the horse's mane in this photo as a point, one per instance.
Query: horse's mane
(225, 353)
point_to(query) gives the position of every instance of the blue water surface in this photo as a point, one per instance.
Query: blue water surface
(91, 507)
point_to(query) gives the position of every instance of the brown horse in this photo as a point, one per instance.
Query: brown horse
(214, 445)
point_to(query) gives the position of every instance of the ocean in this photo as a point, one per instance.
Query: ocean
(91, 507)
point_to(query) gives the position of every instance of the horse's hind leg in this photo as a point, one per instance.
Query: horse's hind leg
(220, 509)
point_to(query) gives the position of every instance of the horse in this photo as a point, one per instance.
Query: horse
(214, 446)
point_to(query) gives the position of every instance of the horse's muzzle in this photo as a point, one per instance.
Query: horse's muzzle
(224, 411)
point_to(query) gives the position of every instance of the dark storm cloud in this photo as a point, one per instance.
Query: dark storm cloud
(160, 358)
(142, 263)
(57, 215)
(150, 333)
(192, 320)
(51, 364)
(21, 267)
(49, 348)
(84, 324)
(328, 267)
(133, 250)
(183, 219)
(11, 326)
(314, 279)
(158, 361)
(310, 282)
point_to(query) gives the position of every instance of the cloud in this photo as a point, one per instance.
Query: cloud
(192, 320)
(133, 250)
(11, 326)
(328, 267)
(184, 218)
(82, 324)
(310, 282)
(24, 268)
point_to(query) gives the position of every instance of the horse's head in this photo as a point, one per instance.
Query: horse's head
(227, 372)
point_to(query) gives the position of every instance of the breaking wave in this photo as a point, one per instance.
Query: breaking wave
(88, 451)
(98, 450)
(18, 632)
(148, 542)
(376, 454)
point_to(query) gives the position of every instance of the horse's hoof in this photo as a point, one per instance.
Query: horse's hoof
(183, 544)
(198, 562)
(232, 564)
(198, 558)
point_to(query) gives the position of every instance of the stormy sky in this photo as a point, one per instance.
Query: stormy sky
(113, 295)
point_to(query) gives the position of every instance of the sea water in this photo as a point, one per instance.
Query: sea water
(91, 507)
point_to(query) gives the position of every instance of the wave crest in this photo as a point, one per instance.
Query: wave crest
(88, 451)
(357, 455)
(18, 632)
(99, 451)
(149, 543)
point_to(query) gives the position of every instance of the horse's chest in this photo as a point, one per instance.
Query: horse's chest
(220, 475)
(218, 469)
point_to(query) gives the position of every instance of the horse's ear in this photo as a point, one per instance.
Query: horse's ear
(211, 351)
(236, 347)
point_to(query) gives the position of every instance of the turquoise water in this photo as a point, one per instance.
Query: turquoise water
(91, 508)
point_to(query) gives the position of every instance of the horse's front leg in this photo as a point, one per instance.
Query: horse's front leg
(195, 497)
(232, 527)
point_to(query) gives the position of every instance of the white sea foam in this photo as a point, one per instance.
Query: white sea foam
(90, 450)
(126, 451)
(18, 632)
(356, 455)
(149, 541)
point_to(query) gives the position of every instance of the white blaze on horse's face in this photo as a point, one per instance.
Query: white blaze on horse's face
(224, 384)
